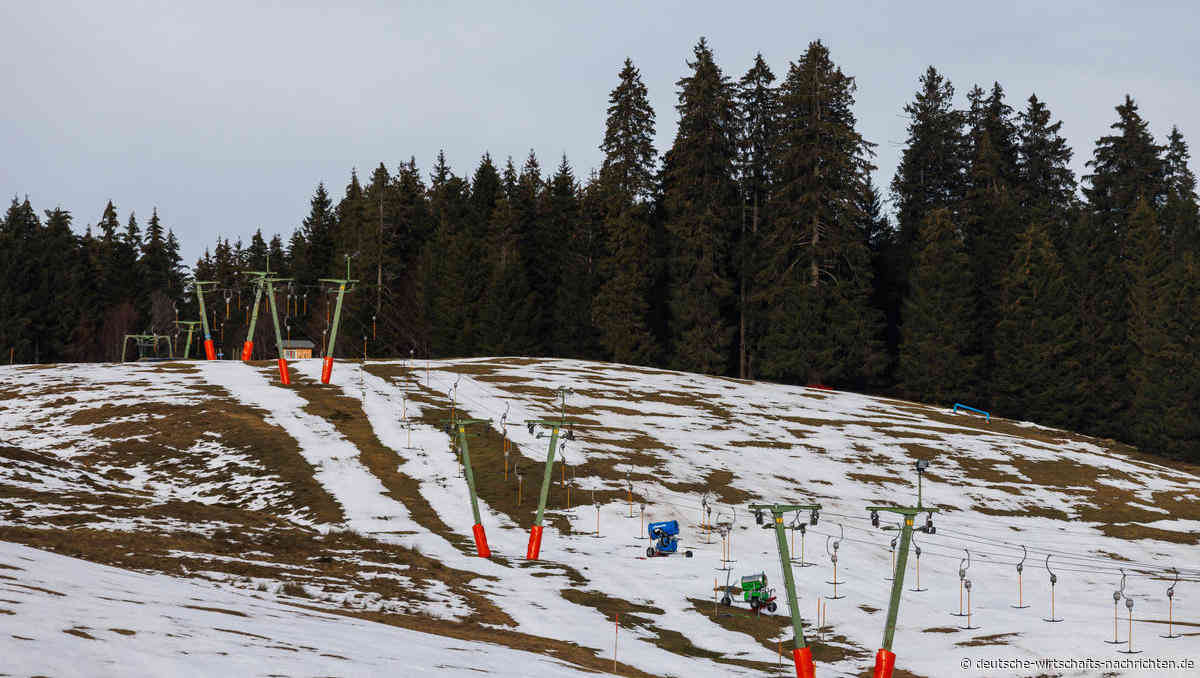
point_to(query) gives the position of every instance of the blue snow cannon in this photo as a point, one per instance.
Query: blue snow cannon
(665, 534)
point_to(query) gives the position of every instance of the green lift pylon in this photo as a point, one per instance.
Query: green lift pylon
(535, 532)
(143, 340)
(210, 353)
(191, 326)
(259, 282)
(885, 659)
(801, 654)
(327, 365)
(269, 283)
(458, 427)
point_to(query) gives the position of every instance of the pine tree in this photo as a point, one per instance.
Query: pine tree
(815, 278)
(1153, 378)
(572, 333)
(936, 359)
(156, 265)
(1047, 184)
(317, 254)
(1037, 333)
(256, 254)
(758, 106)
(507, 317)
(621, 311)
(1181, 214)
(455, 275)
(702, 207)
(278, 256)
(932, 170)
(18, 262)
(990, 210)
(1127, 168)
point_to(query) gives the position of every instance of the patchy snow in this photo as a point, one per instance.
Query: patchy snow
(997, 491)
(65, 617)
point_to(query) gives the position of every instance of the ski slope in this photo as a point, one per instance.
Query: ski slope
(70, 618)
(676, 443)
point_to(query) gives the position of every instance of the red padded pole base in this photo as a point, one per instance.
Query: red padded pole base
(209, 351)
(283, 372)
(885, 661)
(247, 350)
(326, 369)
(535, 543)
(481, 546)
(802, 656)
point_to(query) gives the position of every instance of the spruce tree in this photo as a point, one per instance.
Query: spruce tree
(932, 170)
(1037, 334)
(1127, 168)
(156, 265)
(572, 334)
(814, 283)
(1047, 183)
(621, 310)
(1155, 377)
(18, 274)
(317, 256)
(990, 210)
(702, 218)
(1181, 213)
(936, 359)
(758, 107)
(931, 175)
(256, 254)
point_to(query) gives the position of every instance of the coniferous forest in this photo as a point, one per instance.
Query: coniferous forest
(756, 246)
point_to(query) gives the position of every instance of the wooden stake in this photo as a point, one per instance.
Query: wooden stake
(616, 629)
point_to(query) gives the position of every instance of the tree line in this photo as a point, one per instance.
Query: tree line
(756, 246)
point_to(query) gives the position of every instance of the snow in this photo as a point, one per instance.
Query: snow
(157, 625)
(781, 443)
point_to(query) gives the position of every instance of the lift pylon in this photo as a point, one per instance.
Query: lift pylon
(191, 326)
(801, 654)
(458, 427)
(885, 659)
(259, 279)
(210, 352)
(342, 286)
(535, 532)
(269, 282)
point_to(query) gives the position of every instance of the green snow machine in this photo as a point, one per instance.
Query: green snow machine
(755, 593)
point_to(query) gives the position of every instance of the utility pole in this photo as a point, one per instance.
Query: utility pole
(885, 659)
(209, 352)
(458, 427)
(191, 326)
(327, 365)
(801, 654)
(535, 533)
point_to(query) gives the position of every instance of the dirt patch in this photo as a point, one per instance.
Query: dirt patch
(994, 639)
(242, 633)
(234, 613)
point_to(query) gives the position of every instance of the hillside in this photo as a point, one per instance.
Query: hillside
(342, 509)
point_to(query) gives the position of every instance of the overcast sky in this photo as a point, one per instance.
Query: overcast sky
(225, 116)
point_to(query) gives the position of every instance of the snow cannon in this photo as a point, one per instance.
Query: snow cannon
(755, 593)
(665, 534)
